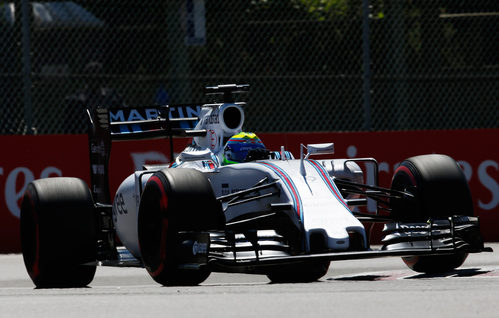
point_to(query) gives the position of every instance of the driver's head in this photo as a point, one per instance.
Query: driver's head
(237, 147)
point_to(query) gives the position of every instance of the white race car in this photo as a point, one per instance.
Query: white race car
(269, 214)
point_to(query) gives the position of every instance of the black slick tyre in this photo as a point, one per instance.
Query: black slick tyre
(299, 273)
(175, 200)
(58, 233)
(441, 190)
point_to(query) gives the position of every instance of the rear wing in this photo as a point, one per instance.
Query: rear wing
(138, 123)
(150, 123)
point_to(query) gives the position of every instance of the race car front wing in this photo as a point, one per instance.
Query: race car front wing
(457, 234)
(260, 251)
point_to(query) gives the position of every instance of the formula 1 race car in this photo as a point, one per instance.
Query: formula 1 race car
(269, 213)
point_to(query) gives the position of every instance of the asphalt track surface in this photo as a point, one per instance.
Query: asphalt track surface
(361, 288)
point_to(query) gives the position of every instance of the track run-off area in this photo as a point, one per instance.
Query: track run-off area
(362, 288)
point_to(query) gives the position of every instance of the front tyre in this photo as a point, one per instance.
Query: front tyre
(441, 190)
(58, 233)
(174, 201)
(299, 273)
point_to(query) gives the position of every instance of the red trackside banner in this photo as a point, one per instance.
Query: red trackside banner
(25, 158)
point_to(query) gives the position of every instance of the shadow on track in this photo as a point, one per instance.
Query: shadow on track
(468, 272)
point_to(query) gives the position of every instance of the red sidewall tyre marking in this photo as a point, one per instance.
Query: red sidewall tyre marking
(162, 249)
(164, 226)
(407, 172)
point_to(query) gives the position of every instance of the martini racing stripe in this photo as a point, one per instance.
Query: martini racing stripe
(329, 182)
(208, 164)
(290, 185)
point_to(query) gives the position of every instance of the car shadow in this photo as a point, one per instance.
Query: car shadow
(361, 278)
(467, 272)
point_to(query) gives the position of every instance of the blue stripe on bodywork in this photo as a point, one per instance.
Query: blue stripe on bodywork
(290, 185)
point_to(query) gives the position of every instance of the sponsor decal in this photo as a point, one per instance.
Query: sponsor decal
(413, 226)
(225, 189)
(16, 183)
(98, 149)
(148, 113)
(213, 139)
(489, 183)
(208, 164)
(131, 114)
(119, 206)
(199, 248)
(212, 119)
(98, 169)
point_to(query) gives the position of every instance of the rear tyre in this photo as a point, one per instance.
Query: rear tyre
(440, 190)
(299, 273)
(175, 200)
(58, 233)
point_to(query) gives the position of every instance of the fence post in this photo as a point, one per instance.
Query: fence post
(398, 69)
(26, 60)
(179, 67)
(366, 58)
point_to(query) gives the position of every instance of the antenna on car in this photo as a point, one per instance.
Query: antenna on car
(227, 91)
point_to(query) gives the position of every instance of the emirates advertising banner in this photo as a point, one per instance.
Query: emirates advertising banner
(25, 158)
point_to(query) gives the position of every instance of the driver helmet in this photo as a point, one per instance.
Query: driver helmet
(237, 147)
